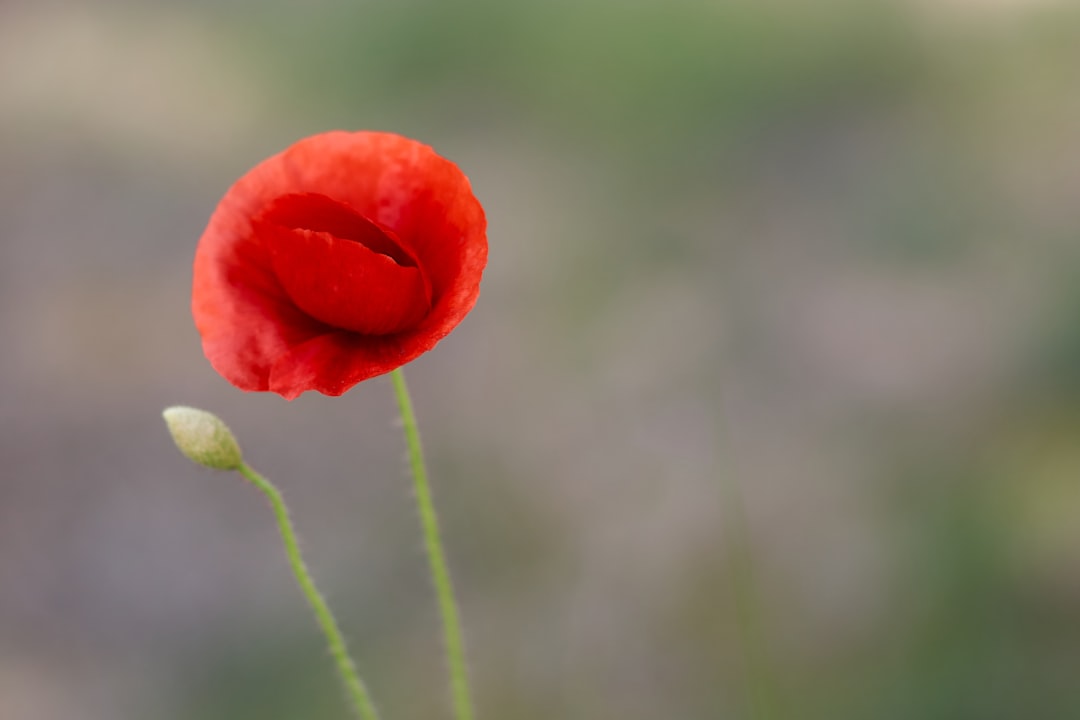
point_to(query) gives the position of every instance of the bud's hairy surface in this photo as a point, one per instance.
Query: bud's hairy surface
(203, 437)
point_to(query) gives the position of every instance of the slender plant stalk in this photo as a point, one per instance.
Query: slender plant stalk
(747, 605)
(354, 686)
(440, 574)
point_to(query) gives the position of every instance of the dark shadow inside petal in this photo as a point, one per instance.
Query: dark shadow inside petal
(342, 269)
(319, 213)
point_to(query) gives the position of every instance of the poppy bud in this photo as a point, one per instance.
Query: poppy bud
(203, 438)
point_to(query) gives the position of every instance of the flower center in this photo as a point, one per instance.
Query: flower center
(342, 268)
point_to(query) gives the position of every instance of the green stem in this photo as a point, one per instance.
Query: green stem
(358, 694)
(440, 574)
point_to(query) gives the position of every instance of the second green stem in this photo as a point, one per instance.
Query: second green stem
(357, 692)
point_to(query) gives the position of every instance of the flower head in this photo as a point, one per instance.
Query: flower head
(342, 258)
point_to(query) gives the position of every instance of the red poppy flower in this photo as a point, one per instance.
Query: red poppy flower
(339, 259)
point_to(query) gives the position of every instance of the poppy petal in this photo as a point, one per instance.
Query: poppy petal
(241, 311)
(333, 363)
(354, 276)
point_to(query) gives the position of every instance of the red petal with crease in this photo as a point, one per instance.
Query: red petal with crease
(339, 259)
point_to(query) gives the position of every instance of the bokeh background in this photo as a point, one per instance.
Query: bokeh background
(818, 258)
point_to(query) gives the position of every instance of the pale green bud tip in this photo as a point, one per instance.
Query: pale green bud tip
(203, 437)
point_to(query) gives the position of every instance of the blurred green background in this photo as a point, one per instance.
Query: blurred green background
(829, 251)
